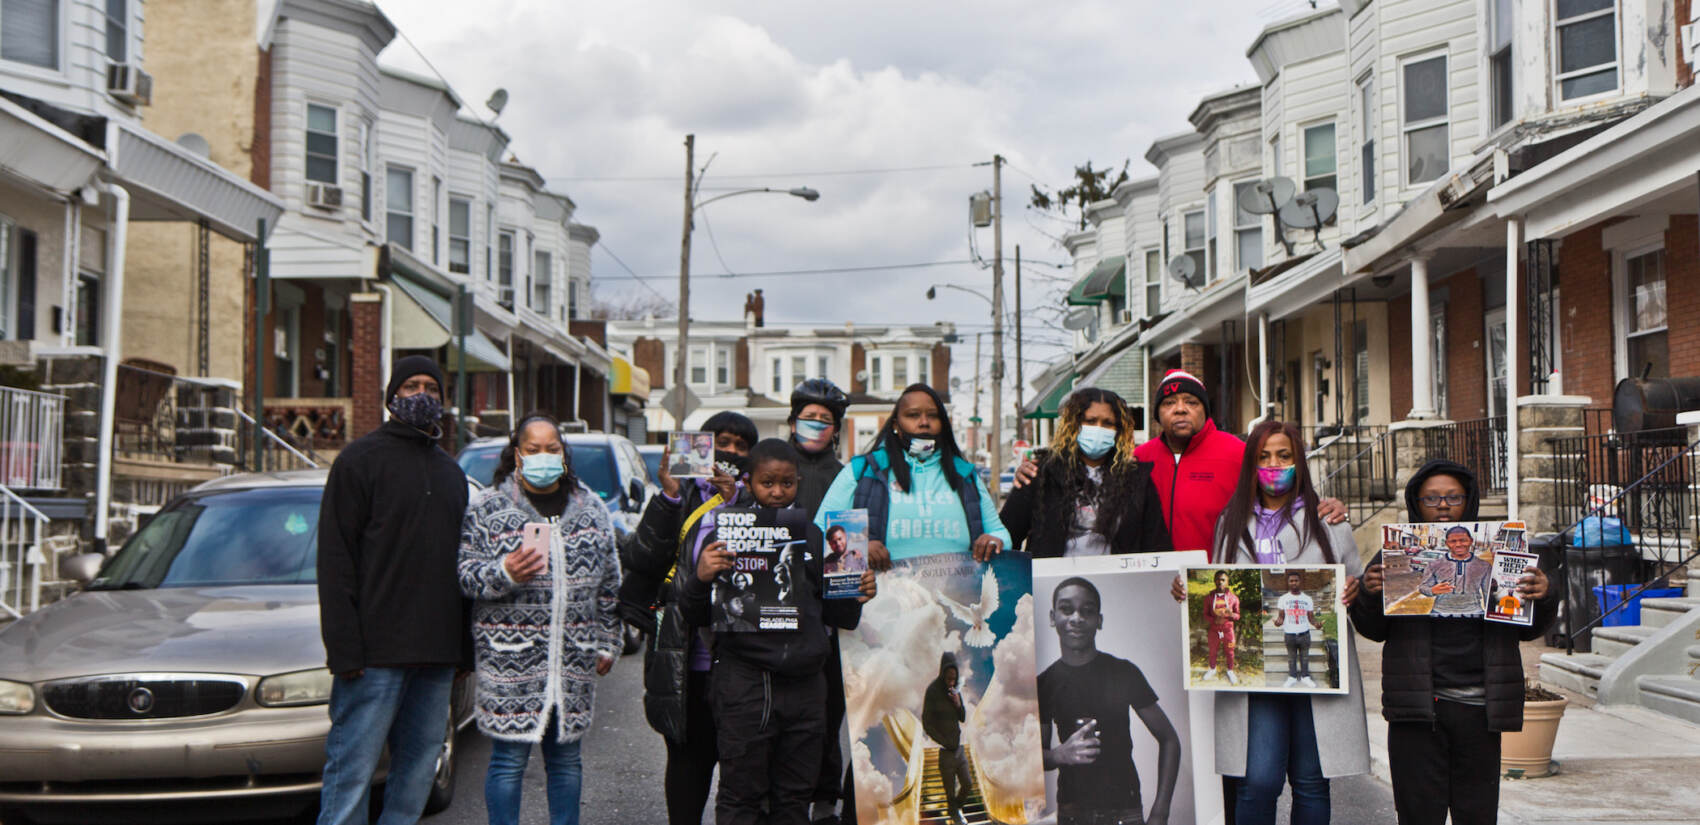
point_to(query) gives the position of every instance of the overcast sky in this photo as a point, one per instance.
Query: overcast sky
(783, 93)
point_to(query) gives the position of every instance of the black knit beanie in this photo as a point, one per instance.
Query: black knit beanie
(1179, 381)
(405, 368)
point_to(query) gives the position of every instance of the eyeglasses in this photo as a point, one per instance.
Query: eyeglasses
(1435, 501)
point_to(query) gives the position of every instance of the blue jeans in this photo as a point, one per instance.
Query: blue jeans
(406, 708)
(1281, 747)
(505, 779)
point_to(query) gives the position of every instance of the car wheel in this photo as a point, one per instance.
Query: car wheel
(443, 783)
(634, 641)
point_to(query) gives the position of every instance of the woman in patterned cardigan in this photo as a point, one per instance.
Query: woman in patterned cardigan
(545, 622)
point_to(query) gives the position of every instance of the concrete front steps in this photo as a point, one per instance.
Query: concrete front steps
(1655, 664)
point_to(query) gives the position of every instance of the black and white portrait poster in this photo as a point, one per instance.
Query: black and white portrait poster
(1117, 724)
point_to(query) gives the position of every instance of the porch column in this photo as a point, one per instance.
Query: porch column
(1422, 359)
(1513, 240)
(1262, 368)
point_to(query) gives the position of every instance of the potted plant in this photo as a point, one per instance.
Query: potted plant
(1528, 753)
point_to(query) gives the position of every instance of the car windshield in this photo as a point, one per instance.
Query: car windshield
(652, 460)
(594, 465)
(479, 463)
(262, 536)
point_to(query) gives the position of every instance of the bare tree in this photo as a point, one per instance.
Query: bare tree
(629, 306)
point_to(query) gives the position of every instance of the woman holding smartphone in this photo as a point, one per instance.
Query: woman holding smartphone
(537, 556)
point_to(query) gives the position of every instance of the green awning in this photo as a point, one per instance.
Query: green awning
(482, 354)
(1104, 281)
(1050, 401)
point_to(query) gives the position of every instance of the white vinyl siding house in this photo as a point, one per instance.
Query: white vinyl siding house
(323, 76)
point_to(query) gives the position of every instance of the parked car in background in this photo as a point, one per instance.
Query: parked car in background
(652, 454)
(479, 459)
(1006, 482)
(188, 670)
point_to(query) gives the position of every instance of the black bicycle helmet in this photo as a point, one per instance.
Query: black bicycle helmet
(823, 392)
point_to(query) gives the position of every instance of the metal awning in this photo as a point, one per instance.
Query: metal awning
(35, 150)
(436, 329)
(1104, 281)
(1122, 373)
(169, 183)
(1047, 403)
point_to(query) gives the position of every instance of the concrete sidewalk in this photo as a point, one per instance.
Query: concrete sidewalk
(1617, 764)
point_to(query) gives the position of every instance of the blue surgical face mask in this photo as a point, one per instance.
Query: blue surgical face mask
(812, 435)
(542, 469)
(1096, 442)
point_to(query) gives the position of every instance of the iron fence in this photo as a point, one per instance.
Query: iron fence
(32, 426)
(1478, 444)
(1355, 464)
(164, 418)
(21, 554)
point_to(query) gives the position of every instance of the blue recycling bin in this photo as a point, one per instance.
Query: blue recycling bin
(1608, 596)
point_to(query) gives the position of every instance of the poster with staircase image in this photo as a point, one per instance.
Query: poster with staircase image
(1121, 734)
(1263, 628)
(940, 695)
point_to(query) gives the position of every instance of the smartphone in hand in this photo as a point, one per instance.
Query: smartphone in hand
(536, 537)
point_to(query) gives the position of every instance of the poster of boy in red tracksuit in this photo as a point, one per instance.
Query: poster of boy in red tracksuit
(1222, 608)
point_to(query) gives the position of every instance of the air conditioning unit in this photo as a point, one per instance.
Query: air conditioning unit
(324, 196)
(505, 297)
(128, 83)
(1124, 317)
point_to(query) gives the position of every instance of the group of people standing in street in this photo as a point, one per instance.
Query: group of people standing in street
(522, 584)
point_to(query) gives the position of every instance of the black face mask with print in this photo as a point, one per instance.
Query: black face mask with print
(731, 463)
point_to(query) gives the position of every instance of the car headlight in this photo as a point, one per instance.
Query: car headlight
(303, 687)
(16, 697)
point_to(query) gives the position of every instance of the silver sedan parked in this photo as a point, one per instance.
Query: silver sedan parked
(189, 669)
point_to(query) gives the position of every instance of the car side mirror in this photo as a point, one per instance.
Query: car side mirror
(635, 492)
(81, 568)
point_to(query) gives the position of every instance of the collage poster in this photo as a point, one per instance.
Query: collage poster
(939, 677)
(1263, 628)
(1446, 568)
(1114, 715)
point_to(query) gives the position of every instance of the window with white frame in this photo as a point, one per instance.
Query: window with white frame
(1646, 330)
(824, 363)
(29, 32)
(778, 376)
(1248, 230)
(460, 235)
(321, 144)
(876, 374)
(505, 266)
(723, 366)
(1424, 119)
(799, 369)
(924, 368)
(489, 241)
(1586, 31)
(899, 372)
(1499, 63)
(436, 218)
(398, 206)
(1275, 155)
(365, 171)
(1153, 281)
(542, 272)
(1321, 170)
(1193, 239)
(117, 30)
(1366, 135)
(8, 261)
(1209, 237)
(699, 365)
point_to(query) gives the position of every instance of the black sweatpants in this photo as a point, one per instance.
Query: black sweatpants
(1452, 766)
(830, 783)
(953, 768)
(690, 765)
(770, 729)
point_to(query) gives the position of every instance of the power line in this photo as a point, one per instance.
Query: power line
(796, 272)
(634, 276)
(819, 173)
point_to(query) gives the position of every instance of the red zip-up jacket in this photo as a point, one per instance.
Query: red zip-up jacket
(1195, 490)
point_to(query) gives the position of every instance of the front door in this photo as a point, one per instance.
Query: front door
(1497, 402)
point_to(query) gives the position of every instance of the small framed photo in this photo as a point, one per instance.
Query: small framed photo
(1265, 628)
(690, 455)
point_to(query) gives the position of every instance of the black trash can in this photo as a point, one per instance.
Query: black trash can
(1584, 569)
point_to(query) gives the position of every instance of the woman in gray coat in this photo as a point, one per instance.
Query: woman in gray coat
(545, 620)
(1269, 738)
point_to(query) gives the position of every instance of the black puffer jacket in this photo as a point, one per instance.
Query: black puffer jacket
(1040, 512)
(815, 474)
(1407, 661)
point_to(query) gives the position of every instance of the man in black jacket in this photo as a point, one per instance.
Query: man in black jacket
(942, 715)
(390, 608)
(1449, 685)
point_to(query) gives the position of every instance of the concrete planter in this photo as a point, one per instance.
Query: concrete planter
(1528, 753)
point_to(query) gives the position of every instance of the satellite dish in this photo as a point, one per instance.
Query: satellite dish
(1079, 319)
(862, 375)
(956, 383)
(196, 144)
(1184, 269)
(498, 101)
(1266, 197)
(1310, 210)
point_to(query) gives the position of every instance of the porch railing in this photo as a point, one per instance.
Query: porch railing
(276, 453)
(1647, 482)
(32, 426)
(1478, 444)
(21, 554)
(162, 418)
(1356, 465)
(310, 423)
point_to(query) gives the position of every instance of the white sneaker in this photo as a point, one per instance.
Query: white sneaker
(1232, 679)
(1290, 682)
(1208, 675)
(1308, 682)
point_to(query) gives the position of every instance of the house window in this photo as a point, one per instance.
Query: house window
(1427, 133)
(88, 310)
(1153, 281)
(398, 207)
(899, 373)
(286, 349)
(542, 272)
(699, 365)
(505, 266)
(1360, 370)
(876, 374)
(1275, 155)
(1437, 355)
(365, 172)
(1320, 172)
(825, 363)
(321, 144)
(29, 32)
(1587, 47)
(1248, 231)
(1194, 239)
(117, 30)
(460, 235)
(1647, 340)
(1499, 63)
(924, 371)
(1209, 237)
(436, 217)
(7, 275)
(1366, 128)
(723, 367)
(489, 241)
(778, 380)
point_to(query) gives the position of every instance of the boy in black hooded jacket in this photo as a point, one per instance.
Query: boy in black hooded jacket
(942, 715)
(1449, 686)
(768, 689)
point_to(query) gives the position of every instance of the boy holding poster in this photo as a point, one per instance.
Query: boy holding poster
(768, 689)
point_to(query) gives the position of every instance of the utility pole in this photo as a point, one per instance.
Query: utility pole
(997, 324)
(1020, 384)
(685, 286)
(974, 419)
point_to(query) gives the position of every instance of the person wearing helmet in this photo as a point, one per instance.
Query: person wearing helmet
(817, 415)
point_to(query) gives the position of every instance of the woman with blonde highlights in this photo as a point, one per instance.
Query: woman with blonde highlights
(1090, 497)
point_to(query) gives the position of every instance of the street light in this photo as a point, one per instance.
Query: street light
(933, 292)
(691, 206)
